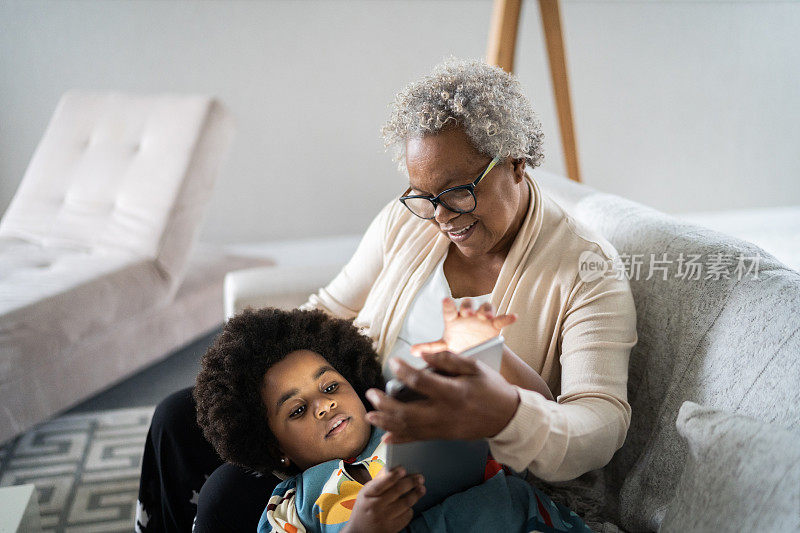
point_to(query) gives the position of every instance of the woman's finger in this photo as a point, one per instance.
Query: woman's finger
(502, 321)
(398, 425)
(486, 310)
(451, 363)
(427, 425)
(386, 422)
(402, 437)
(466, 308)
(449, 309)
(424, 381)
(383, 402)
(393, 437)
(428, 347)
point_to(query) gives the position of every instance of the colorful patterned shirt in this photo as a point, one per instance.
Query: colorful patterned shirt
(322, 498)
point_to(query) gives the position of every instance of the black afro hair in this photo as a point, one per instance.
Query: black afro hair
(228, 391)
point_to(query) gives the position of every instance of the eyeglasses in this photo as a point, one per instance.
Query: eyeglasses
(459, 199)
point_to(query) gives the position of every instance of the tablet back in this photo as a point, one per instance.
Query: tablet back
(449, 466)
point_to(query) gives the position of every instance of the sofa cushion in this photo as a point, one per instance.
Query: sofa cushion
(727, 342)
(31, 275)
(741, 474)
(122, 173)
(54, 299)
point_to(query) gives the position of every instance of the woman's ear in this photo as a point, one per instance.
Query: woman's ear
(518, 167)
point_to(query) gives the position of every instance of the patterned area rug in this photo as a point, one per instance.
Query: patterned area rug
(85, 468)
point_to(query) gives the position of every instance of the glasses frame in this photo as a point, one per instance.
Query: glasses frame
(436, 201)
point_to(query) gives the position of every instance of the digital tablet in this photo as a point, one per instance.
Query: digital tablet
(449, 466)
(490, 352)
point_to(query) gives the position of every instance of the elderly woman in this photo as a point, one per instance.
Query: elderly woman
(473, 224)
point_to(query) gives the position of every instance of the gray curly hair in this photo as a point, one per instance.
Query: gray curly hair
(483, 99)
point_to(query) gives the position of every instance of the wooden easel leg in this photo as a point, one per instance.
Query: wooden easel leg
(551, 22)
(503, 34)
(500, 51)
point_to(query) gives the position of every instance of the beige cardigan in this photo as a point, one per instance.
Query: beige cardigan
(577, 335)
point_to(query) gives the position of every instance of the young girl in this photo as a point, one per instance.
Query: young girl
(284, 392)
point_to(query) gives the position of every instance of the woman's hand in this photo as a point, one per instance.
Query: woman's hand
(465, 327)
(384, 504)
(471, 402)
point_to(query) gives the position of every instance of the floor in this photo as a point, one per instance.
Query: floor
(86, 466)
(154, 383)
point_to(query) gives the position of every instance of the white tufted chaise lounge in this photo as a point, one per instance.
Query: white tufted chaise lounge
(96, 242)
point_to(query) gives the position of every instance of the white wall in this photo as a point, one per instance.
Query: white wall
(679, 105)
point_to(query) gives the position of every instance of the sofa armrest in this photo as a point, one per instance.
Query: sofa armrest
(286, 286)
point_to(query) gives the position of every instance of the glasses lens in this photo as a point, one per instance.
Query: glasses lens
(459, 200)
(421, 207)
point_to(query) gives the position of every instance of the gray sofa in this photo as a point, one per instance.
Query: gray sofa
(729, 345)
(714, 443)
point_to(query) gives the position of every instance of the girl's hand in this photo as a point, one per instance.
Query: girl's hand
(384, 504)
(465, 327)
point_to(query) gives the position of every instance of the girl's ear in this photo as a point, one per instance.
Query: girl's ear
(283, 460)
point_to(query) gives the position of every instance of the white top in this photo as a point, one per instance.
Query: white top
(424, 321)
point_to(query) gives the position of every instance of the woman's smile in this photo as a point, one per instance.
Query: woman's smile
(461, 234)
(448, 159)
